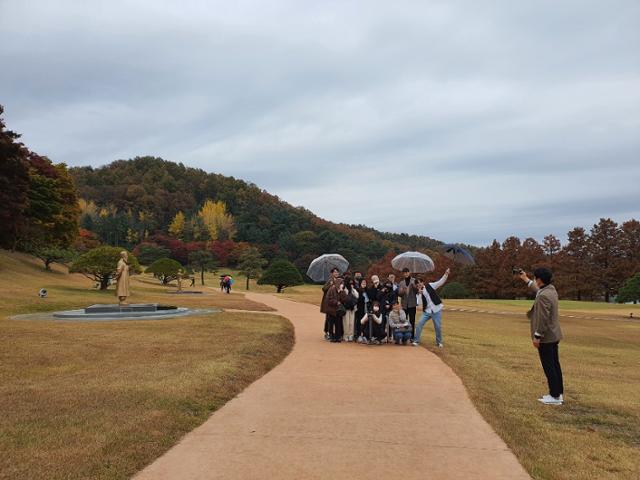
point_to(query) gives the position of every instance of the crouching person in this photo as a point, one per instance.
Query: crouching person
(372, 325)
(400, 325)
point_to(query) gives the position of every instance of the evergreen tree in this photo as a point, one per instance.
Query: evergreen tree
(202, 261)
(251, 264)
(281, 274)
(165, 269)
(99, 264)
(630, 290)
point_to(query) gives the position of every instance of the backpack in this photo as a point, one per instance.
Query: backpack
(350, 303)
(341, 311)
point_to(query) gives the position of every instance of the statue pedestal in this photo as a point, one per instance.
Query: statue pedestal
(132, 307)
(115, 312)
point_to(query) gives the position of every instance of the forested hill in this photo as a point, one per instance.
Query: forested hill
(144, 195)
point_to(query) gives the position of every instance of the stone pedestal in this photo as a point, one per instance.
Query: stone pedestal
(115, 311)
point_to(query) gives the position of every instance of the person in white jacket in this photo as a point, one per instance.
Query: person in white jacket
(432, 308)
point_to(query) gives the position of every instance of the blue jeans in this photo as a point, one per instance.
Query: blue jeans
(437, 325)
(401, 336)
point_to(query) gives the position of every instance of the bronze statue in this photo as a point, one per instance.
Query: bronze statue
(122, 278)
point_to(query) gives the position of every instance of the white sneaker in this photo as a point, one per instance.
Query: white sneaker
(415, 344)
(440, 345)
(549, 400)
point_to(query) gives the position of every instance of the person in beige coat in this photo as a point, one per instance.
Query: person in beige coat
(122, 278)
(545, 332)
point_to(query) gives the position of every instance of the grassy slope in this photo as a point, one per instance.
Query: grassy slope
(596, 434)
(101, 400)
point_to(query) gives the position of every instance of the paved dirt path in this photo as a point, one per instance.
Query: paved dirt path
(343, 411)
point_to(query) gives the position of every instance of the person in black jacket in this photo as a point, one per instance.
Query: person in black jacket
(361, 308)
(387, 298)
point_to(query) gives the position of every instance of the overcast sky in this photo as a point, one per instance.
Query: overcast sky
(461, 120)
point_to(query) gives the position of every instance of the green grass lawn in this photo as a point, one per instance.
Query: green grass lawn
(102, 400)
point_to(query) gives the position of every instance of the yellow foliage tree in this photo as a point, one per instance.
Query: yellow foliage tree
(176, 228)
(88, 208)
(218, 223)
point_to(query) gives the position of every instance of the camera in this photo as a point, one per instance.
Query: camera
(517, 270)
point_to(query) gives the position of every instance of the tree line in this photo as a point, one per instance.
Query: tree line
(159, 209)
(591, 265)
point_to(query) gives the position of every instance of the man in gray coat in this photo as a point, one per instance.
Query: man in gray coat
(408, 292)
(545, 331)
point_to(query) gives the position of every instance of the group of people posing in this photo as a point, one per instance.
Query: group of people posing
(375, 312)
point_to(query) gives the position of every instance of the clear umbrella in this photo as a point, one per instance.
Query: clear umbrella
(320, 268)
(416, 262)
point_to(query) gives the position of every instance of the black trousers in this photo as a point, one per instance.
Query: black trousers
(551, 365)
(336, 328)
(326, 324)
(411, 315)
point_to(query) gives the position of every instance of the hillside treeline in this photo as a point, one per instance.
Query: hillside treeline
(132, 201)
(158, 209)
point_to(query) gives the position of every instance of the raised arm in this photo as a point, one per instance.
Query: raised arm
(442, 281)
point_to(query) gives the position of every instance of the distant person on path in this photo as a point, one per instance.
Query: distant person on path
(122, 278)
(333, 277)
(399, 325)
(431, 308)
(361, 308)
(545, 332)
(408, 291)
(350, 304)
(193, 281)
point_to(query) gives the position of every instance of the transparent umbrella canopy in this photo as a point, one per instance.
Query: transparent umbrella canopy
(416, 262)
(320, 268)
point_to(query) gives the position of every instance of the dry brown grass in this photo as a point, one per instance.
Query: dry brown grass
(101, 400)
(596, 434)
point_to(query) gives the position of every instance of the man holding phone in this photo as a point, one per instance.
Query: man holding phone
(545, 331)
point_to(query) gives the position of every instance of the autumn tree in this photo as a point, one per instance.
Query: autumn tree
(574, 270)
(605, 253)
(177, 225)
(630, 246)
(14, 185)
(552, 248)
(251, 264)
(489, 276)
(218, 223)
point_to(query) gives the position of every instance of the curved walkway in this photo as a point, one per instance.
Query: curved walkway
(343, 411)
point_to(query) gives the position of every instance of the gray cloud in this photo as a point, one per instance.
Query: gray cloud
(498, 117)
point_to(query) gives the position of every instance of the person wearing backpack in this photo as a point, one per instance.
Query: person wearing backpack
(350, 304)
